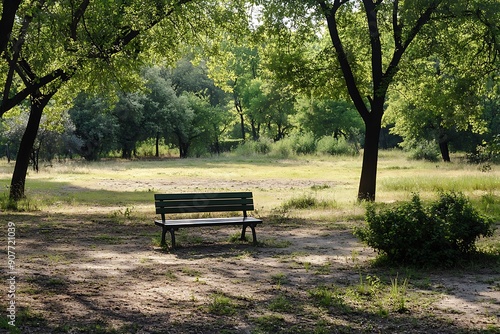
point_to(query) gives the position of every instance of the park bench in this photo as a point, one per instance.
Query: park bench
(190, 203)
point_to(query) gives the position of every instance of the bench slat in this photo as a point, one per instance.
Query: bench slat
(203, 195)
(214, 208)
(203, 202)
(177, 223)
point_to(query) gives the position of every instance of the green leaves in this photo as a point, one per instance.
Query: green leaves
(438, 234)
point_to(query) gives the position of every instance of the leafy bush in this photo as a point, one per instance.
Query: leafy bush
(254, 147)
(411, 233)
(425, 150)
(332, 146)
(305, 144)
(486, 152)
(282, 148)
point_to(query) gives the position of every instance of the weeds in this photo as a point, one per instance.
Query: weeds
(221, 305)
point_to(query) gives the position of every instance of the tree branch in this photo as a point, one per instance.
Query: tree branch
(392, 69)
(396, 27)
(342, 57)
(376, 46)
(9, 10)
(77, 16)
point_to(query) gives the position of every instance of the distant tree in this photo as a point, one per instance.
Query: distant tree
(324, 117)
(95, 126)
(129, 114)
(157, 100)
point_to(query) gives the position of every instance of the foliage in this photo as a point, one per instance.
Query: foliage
(95, 126)
(305, 143)
(424, 150)
(331, 146)
(486, 152)
(441, 233)
(326, 117)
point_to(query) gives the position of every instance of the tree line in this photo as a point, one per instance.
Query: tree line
(427, 69)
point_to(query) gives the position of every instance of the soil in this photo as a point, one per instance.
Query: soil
(101, 270)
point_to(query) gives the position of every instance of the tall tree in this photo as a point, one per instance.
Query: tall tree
(48, 44)
(370, 39)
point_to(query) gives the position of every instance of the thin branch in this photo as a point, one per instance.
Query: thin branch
(78, 15)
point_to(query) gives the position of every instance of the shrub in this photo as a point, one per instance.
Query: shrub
(411, 233)
(425, 150)
(254, 147)
(282, 148)
(305, 144)
(486, 152)
(332, 146)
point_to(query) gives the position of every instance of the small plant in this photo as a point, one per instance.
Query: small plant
(411, 233)
(221, 305)
(398, 294)
(326, 297)
(191, 272)
(281, 304)
(279, 279)
(306, 201)
(270, 323)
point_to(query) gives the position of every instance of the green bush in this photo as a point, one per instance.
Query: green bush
(305, 144)
(425, 150)
(441, 233)
(486, 152)
(332, 146)
(254, 147)
(282, 148)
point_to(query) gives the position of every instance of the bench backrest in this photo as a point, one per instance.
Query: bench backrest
(203, 202)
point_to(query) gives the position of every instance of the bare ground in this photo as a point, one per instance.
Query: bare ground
(103, 273)
(101, 270)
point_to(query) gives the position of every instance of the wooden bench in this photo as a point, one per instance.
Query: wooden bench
(187, 203)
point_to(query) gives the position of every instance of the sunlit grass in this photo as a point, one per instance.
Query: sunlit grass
(324, 179)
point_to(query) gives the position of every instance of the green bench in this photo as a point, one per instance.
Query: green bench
(188, 203)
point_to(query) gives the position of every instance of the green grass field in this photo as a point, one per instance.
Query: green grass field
(131, 183)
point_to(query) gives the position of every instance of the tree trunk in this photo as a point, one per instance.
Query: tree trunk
(242, 121)
(239, 109)
(7, 148)
(157, 145)
(444, 148)
(183, 150)
(445, 151)
(17, 185)
(368, 181)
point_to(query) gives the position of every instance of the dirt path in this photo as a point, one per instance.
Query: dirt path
(104, 274)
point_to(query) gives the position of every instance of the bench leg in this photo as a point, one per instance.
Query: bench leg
(243, 230)
(254, 235)
(163, 232)
(172, 234)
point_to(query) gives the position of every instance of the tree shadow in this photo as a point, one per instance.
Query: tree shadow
(94, 273)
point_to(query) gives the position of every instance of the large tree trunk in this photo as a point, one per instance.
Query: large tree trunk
(368, 181)
(444, 148)
(183, 150)
(17, 185)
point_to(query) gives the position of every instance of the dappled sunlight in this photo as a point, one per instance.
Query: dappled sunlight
(91, 247)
